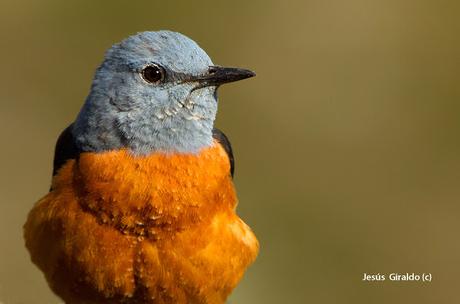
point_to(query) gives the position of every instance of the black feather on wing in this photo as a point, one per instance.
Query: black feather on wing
(65, 149)
(223, 140)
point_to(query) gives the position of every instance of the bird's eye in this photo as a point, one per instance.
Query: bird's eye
(153, 73)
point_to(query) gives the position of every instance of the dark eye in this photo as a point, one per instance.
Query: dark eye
(153, 73)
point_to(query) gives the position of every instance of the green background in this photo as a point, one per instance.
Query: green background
(347, 142)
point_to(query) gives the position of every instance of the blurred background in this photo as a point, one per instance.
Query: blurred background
(347, 142)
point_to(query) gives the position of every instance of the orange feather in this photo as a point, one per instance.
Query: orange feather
(118, 228)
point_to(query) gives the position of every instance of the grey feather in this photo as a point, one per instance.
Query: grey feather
(124, 111)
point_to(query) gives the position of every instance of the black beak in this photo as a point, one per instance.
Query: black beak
(219, 75)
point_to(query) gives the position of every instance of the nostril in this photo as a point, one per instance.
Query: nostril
(212, 70)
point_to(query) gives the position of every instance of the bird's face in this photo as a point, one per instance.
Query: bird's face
(155, 91)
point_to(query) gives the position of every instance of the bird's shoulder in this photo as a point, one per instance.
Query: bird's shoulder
(223, 140)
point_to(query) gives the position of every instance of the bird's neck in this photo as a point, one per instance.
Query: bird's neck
(184, 139)
(178, 135)
(100, 127)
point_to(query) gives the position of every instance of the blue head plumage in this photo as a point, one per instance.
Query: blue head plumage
(155, 91)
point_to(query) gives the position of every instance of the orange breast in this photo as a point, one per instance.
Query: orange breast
(149, 229)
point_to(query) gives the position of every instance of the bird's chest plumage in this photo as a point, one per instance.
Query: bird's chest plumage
(119, 228)
(150, 196)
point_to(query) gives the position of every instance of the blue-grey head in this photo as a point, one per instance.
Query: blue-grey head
(155, 91)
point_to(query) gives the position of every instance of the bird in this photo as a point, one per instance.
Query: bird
(142, 204)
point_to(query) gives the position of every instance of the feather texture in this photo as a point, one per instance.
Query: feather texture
(119, 228)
